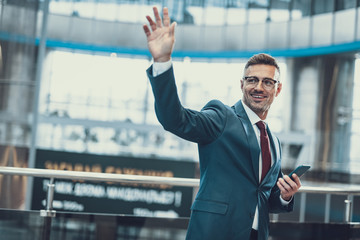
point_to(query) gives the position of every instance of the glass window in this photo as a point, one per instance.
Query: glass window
(214, 13)
(236, 16)
(106, 10)
(214, 16)
(236, 12)
(195, 12)
(199, 82)
(279, 10)
(93, 94)
(323, 6)
(344, 4)
(300, 8)
(61, 7)
(258, 11)
(276, 113)
(85, 9)
(86, 86)
(355, 125)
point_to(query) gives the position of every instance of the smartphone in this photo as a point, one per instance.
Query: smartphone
(299, 171)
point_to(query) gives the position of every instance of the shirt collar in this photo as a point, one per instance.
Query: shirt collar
(251, 115)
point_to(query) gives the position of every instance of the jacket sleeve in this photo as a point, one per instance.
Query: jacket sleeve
(275, 204)
(197, 126)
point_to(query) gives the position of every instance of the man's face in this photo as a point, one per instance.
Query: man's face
(256, 97)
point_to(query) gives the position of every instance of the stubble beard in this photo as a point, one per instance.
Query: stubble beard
(260, 109)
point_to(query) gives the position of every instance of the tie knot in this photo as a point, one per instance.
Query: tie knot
(261, 125)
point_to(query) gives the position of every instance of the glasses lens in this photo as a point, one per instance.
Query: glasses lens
(251, 80)
(267, 84)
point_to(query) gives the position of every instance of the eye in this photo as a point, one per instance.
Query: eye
(251, 80)
(268, 82)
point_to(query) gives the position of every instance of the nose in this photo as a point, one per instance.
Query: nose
(259, 86)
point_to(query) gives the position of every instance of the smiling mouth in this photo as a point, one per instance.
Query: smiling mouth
(258, 97)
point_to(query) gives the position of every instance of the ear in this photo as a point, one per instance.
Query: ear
(278, 90)
(242, 85)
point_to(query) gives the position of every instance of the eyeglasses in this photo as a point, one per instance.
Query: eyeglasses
(267, 83)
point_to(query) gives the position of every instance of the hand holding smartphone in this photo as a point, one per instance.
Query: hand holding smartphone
(299, 171)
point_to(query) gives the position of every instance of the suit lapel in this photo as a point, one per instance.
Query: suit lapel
(251, 137)
(274, 146)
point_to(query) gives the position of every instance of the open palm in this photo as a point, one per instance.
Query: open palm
(161, 38)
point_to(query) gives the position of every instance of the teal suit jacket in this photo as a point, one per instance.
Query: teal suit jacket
(229, 190)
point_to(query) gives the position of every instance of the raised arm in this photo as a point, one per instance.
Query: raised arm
(200, 127)
(161, 37)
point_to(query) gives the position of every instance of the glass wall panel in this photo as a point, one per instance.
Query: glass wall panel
(300, 9)
(279, 10)
(355, 127)
(323, 6)
(236, 12)
(208, 12)
(214, 13)
(236, 16)
(344, 18)
(344, 4)
(98, 89)
(63, 7)
(258, 11)
(195, 10)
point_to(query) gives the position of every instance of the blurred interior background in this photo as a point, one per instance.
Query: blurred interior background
(72, 81)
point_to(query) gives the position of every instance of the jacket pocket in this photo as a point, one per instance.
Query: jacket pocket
(210, 206)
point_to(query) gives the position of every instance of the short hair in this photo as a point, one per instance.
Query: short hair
(262, 58)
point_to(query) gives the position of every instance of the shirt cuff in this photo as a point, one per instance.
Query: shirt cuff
(284, 202)
(161, 67)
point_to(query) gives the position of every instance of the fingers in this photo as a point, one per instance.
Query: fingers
(152, 23)
(172, 29)
(157, 17)
(281, 185)
(166, 17)
(288, 186)
(290, 183)
(146, 30)
(297, 180)
(158, 20)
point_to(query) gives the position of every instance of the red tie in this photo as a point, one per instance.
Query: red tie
(265, 149)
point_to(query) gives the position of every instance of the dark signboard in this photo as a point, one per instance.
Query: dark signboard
(116, 198)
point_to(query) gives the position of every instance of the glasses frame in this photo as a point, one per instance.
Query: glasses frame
(262, 82)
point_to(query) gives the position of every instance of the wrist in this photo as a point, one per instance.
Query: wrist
(286, 198)
(162, 59)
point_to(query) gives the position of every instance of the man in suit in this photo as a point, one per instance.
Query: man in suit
(240, 168)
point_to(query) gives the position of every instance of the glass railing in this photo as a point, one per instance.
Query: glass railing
(21, 225)
(30, 225)
(323, 212)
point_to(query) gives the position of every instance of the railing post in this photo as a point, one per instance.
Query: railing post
(348, 208)
(302, 207)
(49, 212)
(327, 208)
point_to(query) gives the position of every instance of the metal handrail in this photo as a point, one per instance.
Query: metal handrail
(173, 181)
(99, 177)
(349, 190)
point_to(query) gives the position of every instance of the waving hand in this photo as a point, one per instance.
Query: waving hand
(161, 38)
